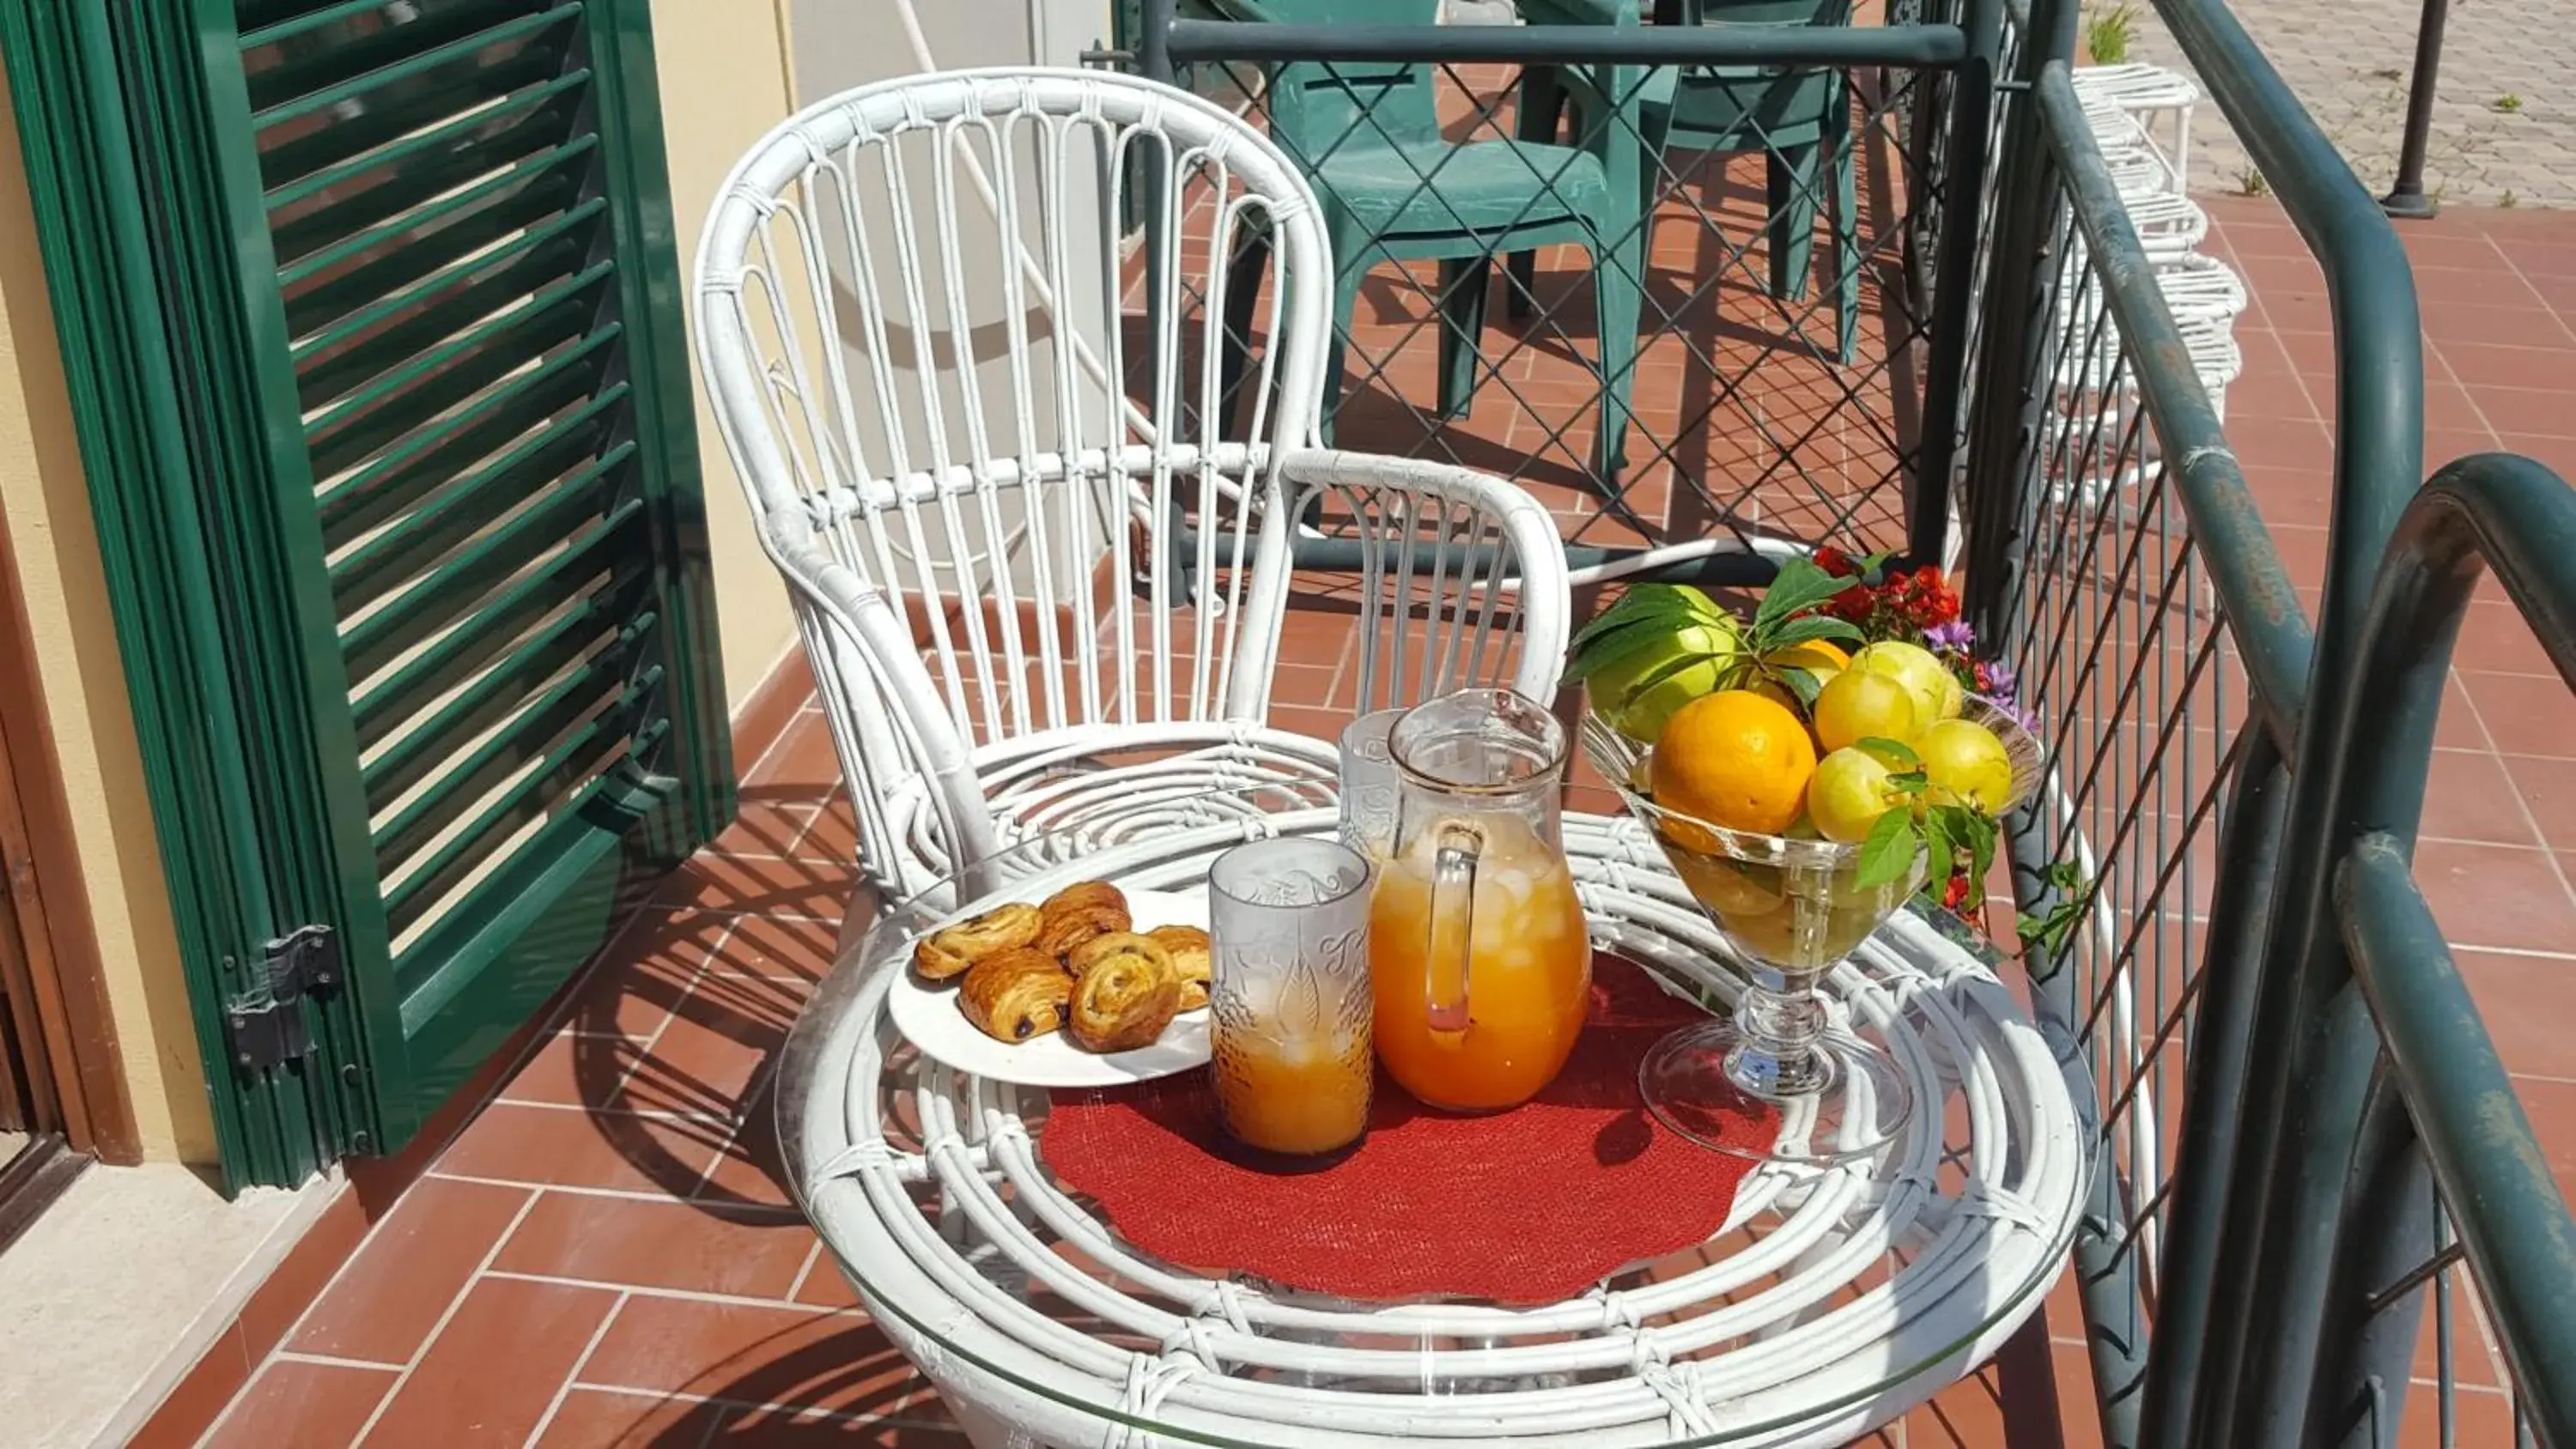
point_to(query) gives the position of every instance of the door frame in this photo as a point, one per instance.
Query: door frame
(57, 958)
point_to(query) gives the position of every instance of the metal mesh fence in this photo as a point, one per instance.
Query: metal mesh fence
(1688, 307)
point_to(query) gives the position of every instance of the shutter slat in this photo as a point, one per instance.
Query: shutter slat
(549, 791)
(430, 235)
(560, 243)
(315, 52)
(591, 695)
(428, 159)
(476, 297)
(500, 690)
(413, 395)
(382, 186)
(414, 70)
(396, 554)
(476, 644)
(453, 588)
(292, 150)
(410, 471)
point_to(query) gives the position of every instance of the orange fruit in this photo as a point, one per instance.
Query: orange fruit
(1734, 758)
(1820, 657)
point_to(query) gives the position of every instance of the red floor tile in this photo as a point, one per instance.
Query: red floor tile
(549, 1146)
(777, 949)
(2537, 412)
(2526, 1003)
(303, 1406)
(751, 1355)
(2493, 895)
(632, 1242)
(2525, 714)
(766, 822)
(805, 887)
(496, 1367)
(596, 1419)
(385, 1303)
(2468, 796)
(789, 1429)
(2548, 790)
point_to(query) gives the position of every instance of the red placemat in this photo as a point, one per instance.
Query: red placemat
(1532, 1205)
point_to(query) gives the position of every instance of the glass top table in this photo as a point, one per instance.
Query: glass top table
(1833, 1299)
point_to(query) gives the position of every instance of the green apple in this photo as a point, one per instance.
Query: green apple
(1715, 649)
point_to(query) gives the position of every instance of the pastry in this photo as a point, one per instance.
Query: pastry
(1061, 929)
(1087, 893)
(949, 950)
(1100, 948)
(1126, 997)
(1193, 961)
(1016, 994)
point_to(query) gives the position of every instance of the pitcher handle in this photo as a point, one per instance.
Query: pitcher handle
(1453, 903)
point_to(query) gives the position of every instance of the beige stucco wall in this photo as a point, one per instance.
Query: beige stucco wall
(725, 82)
(45, 498)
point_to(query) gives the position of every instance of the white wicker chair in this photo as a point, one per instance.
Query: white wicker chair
(1031, 577)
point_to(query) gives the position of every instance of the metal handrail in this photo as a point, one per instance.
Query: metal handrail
(2246, 572)
(2499, 513)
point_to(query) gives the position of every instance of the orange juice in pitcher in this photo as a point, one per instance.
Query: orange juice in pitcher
(1478, 957)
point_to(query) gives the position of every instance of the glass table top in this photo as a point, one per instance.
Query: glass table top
(1832, 1300)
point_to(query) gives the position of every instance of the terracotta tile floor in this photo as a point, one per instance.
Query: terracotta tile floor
(604, 1255)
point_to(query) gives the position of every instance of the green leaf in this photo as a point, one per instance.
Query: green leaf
(1894, 754)
(1802, 683)
(1618, 650)
(1620, 616)
(1938, 845)
(1908, 782)
(1888, 853)
(1812, 626)
(1977, 832)
(1798, 587)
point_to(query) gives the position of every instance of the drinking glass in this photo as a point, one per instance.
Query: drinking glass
(1290, 1007)
(1371, 789)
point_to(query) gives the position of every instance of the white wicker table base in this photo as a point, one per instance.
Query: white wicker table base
(1830, 1303)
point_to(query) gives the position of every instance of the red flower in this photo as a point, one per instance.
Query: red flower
(1834, 561)
(1927, 599)
(1955, 894)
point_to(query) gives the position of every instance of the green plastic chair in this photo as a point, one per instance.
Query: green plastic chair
(1799, 117)
(1368, 135)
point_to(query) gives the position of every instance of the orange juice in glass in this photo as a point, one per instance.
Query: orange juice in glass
(1478, 958)
(1289, 1003)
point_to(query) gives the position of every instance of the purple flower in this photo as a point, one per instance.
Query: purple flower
(1954, 637)
(2001, 682)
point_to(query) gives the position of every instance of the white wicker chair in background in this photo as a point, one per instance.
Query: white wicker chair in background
(1032, 578)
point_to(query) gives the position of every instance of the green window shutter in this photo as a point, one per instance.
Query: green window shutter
(407, 495)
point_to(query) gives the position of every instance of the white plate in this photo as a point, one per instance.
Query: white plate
(926, 1013)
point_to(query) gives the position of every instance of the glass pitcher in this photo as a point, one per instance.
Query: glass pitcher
(1478, 956)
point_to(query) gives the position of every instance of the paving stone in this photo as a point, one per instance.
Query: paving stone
(2349, 62)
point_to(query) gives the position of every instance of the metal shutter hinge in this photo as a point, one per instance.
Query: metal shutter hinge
(266, 1026)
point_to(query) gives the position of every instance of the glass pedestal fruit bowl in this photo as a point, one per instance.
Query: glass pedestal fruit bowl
(1792, 909)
